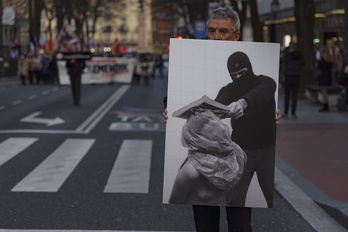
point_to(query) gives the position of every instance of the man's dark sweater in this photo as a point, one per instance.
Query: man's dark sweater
(256, 128)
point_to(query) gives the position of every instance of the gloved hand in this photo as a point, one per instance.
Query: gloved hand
(237, 109)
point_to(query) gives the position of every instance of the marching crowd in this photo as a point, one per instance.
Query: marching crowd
(38, 69)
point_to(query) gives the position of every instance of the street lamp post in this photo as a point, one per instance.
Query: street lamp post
(274, 8)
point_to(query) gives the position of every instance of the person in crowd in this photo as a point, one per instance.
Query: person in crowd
(22, 69)
(160, 65)
(336, 57)
(75, 69)
(324, 77)
(44, 68)
(37, 65)
(6, 65)
(53, 72)
(144, 69)
(30, 63)
(344, 78)
(223, 24)
(292, 63)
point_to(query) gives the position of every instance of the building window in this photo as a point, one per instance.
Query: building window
(123, 27)
(123, 6)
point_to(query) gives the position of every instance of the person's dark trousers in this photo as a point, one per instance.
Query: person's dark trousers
(22, 79)
(207, 218)
(31, 77)
(45, 78)
(75, 83)
(260, 161)
(38, 77)
(291, 91)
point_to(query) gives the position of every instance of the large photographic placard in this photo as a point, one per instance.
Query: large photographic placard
(199, 68)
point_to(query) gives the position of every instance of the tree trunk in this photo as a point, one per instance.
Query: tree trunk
(187, 12)
(241, 13)
(35, 9)
(257, 26)
(59, 13)
(304, 13)
(30, 13)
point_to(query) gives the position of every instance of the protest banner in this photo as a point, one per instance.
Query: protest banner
(102, 70)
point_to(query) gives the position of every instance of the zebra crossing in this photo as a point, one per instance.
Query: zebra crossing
(13, 146)
(130, 172)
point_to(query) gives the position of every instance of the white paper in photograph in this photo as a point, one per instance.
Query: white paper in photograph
(205, 171)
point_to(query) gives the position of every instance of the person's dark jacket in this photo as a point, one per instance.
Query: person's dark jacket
(256, 128)
(324, 77)
(343, 78)
(75, 68)
(292, 64)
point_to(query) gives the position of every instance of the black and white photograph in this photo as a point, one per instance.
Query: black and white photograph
(220, 140)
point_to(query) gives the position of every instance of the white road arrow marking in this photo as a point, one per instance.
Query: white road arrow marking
(49, 122)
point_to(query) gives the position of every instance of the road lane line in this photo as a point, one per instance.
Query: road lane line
(56, 168)
(92, 120)
(88, 124)
(13, 146)
(16, 102)
(131, 171)
(45, 92)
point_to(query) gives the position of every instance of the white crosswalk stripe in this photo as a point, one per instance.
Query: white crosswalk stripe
(13, 146)
(131, 171)
(55, 169)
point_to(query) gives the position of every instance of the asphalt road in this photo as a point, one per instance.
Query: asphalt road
(57, 159)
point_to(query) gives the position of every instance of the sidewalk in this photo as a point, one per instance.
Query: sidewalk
(312, 151)
(9, 80)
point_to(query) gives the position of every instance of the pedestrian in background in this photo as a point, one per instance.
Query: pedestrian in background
(6, 66)
(336, 57)
(343, 80)
(324, 77)
(44, 68)
(160, 65)
(22, 69)
(37, 68)
(30, 63)
(53, 72)
(144, 69)
(75, 68)
(292, 63)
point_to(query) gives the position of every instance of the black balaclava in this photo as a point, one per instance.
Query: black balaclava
(240, 68)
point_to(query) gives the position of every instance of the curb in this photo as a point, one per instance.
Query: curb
(322, 213)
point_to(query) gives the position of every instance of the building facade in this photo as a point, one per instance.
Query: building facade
(128, 22)
(147, 25)
(329, 21)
